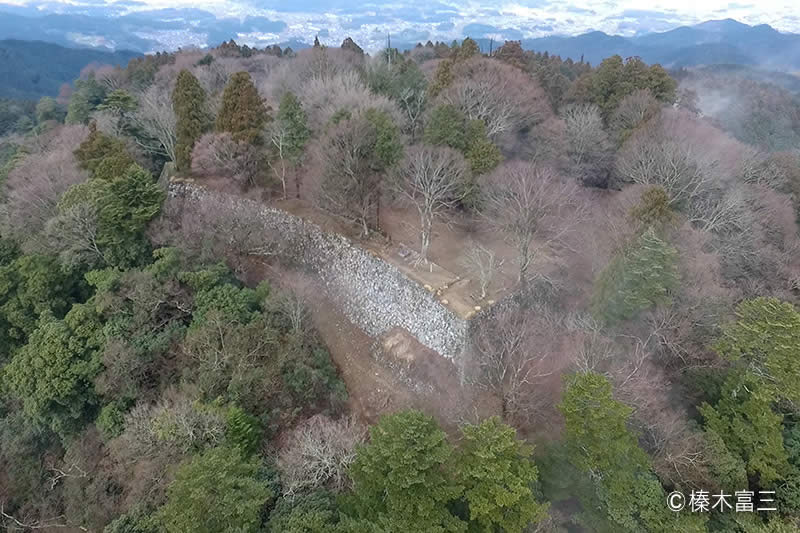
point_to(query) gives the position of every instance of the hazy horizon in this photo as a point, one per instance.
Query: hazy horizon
(368, 24)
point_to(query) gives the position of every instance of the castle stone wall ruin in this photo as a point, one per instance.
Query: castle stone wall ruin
(372, 293)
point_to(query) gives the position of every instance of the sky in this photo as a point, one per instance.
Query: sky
(419, 20)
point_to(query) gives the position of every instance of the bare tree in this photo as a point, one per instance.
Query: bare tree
(509, 359)
(482, 263)
(319, 452)
(433, 180)
(73, 233)
(657, 159)
(503, 97)
(531, 207)
(222, 342)
(219, 154)
(35, 185)
(11, 523)
(156, 119)
(688, 158)
(352, 175)
(584, 131)
(346, 91)
(294, 307)
(175, 425)
(220, 226)
(633, 111)
(279, 136)
(720, 212)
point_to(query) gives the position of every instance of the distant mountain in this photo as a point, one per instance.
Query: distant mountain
(113, 27)
(709, 43)
(32, 69)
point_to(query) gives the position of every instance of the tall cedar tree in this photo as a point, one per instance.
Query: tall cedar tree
(189, 102)
(242, 113)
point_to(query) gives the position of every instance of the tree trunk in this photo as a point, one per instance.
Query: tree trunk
(283, 177)
(426, 238)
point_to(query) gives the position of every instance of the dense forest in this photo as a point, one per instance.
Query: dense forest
(155, 378)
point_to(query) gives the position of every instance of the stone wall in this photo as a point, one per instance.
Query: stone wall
(374, 294)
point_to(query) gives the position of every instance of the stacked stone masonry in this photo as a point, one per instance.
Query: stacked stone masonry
(372, 293)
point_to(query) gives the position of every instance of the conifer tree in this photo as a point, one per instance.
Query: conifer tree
(189, 102)
(242, 113)
(640, 277)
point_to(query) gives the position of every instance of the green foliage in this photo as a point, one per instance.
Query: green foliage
(614, 79)
(119, 102)
(88, 94)
(205, 60)
(311, 378)
(305, 513)
(653, 208)
(600, 443)
(497, 475)
(141, 71)
(443, 76)
(387, 148)
(242, 431)
(103, 156)
(448, 126)
(293, 119)
(111, 419)
(638, 278)
(189, 103)
(10, 155)
(219, 490)
(144, 313)
(16, 115)
(727, 468)
(745, 422)
(766, 338)
(242, 112)
(399, 478)
(481, 153)
(137, 520)
(52, 375)
(48, 109)
(124, 205)
(596, 430)
(32, 286)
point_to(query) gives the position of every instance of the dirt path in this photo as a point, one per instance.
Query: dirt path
(430, 384)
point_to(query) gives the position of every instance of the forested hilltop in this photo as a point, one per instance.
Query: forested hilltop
(162, 373)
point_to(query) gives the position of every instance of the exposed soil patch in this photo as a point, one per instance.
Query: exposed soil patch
(424, 380)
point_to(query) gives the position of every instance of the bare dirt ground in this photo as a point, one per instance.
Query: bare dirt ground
(391, 381)
(375, 383)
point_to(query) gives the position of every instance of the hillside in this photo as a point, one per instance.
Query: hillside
(32, 69)
(708, 43)
(555, 293)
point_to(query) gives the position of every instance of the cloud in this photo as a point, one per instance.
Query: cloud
(165, 20)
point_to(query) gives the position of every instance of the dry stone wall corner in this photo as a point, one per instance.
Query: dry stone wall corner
(372, 293)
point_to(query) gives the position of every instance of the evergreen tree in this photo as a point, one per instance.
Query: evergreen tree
(89, 94)
(219, 490)
(640, 277)
(52, 375)
(242, 113)
(293, 118)
(399, 477)
(189, 103)
(744, 419)
(497, 475)
(600, 444)
(103, 156)
(766, 338)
